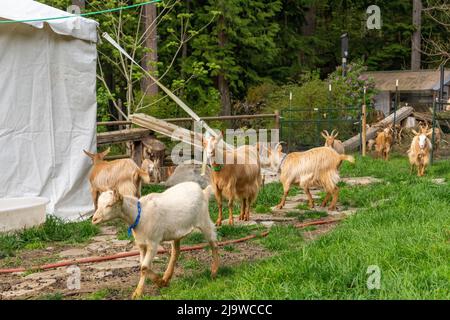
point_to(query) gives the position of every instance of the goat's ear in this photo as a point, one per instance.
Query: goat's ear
(90, 155)
(104, 153)
(279, 148)
(429, 133)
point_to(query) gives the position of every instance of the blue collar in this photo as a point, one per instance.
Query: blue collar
(282, 162)
(138, 218)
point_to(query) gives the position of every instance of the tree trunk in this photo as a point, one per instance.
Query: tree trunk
(80, 3)
(416, 37)
(309, 27)
(151, 43)
(222, 82)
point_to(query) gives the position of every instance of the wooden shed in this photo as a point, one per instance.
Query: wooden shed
(416, 88)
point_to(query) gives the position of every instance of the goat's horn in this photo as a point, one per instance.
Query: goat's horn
(326, 132)
(332, 132)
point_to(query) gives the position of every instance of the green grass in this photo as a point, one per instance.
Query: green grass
(403, 227)
(101, 294)
(52, 296)
(53, 230)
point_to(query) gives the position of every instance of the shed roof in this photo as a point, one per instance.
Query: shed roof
(423, 80)
(77, 27)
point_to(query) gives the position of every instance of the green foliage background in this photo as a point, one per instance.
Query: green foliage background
(269, 45)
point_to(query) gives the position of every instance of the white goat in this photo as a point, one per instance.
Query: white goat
(167, 216)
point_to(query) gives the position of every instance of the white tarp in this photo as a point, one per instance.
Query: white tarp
(47, 107)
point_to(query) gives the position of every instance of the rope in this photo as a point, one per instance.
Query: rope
(87, 14)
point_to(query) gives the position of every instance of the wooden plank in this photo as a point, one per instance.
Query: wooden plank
(167, 129)
(121, 136)
(353, 143)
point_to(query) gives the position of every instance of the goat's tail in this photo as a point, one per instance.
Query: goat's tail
(349, 158)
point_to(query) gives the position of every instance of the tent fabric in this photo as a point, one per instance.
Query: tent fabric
(47, 115)
(76, 27)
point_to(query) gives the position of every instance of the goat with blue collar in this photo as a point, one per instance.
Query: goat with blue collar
(158, 217)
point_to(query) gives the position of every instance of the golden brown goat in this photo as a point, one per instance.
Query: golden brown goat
(239, 177)
(332, 142)
(383, 143)
(419, 152)
(123, 175)
(318, 167)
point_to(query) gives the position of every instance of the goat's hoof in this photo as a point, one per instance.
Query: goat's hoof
(218, 223)
(332, 208)
(164, 283)
(136, 295)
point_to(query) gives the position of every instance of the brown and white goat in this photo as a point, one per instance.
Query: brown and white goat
(332, 142)
(318, 167)
(419, 152)
(423, 128)
(235, 174)
(383, 143)
(123, 175)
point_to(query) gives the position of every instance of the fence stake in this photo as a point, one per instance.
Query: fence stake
(363, 131)
(432, 136)
(277, 119)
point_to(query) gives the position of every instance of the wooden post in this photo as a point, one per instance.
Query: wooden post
(363, 129)
(138, 150)
(277, 119)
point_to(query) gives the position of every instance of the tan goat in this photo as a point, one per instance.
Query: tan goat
(383, 143)
(239, 177)
(419, 152)
(332, 142)
(123, 175)
(318, 167)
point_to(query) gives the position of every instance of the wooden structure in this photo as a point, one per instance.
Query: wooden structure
(416, 88)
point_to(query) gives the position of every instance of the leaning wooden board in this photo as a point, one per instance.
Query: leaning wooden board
(167, 129)
(354, 142)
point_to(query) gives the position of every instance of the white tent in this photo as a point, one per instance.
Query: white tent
(47, 106)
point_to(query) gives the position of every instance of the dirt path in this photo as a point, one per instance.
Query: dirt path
(121, 275)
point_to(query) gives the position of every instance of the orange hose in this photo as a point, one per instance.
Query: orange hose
(136, 253)
(123, 255)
